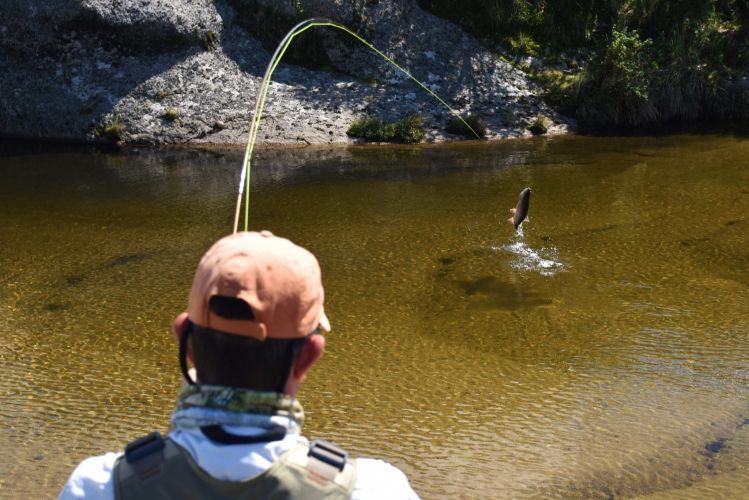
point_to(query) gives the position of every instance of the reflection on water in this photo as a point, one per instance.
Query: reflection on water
(600, 352)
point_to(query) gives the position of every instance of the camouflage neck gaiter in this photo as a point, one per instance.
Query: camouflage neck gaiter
(202, 405)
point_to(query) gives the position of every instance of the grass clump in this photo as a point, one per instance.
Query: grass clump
(110, 131)
(371, 129)
(162, 94)
(561, 88)
(407, 130)
(209, 40)
(456, 126)
(540, 125)
(523, 44)
(170, 114)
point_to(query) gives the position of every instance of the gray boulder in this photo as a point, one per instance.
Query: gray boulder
(182, 71)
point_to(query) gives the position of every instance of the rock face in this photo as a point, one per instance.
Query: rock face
(188, 71)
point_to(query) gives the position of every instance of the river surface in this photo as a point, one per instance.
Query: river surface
(600, 352)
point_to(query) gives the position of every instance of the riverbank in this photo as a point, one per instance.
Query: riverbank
(156, 73)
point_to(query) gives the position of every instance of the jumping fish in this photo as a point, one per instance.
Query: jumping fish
(520, 212)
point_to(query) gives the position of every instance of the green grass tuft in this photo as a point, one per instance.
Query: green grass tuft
(407, 130)
(110, 131)
(523, 44)
(209, 39)
(561, 88)
(540, 125)
(170, 114)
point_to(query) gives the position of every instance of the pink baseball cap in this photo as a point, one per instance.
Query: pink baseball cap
(279, 280)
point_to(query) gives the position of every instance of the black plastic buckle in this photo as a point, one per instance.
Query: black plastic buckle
(328, 453)
(142, 447)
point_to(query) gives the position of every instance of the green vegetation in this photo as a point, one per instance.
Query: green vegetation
(209, 39)
(523, 44)
(170, 114)
(619, 85)
(407, 130)
(540, 125)
(111, 130)
(456, 126)
(162, 94)
(635, 63)
(560, 88)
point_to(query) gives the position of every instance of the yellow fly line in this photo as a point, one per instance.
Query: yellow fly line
(244, 178)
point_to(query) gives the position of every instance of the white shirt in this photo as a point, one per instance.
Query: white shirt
(375, 479)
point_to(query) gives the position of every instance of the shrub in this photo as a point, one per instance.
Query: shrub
(617, 88)
(540, 125)
(456, 126)
(371, 129)
(406, 130)
(654, 61)
(409, 130)
(560, 88)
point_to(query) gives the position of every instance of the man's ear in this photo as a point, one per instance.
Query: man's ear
(311, 351)
(179, 326)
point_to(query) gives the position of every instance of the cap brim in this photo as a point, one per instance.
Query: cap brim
(324, 322)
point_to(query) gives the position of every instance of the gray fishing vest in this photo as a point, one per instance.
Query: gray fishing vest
(156, 468)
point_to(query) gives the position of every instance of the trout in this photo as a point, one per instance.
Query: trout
(520, 212)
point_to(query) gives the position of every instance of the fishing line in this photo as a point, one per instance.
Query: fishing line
(244, 178)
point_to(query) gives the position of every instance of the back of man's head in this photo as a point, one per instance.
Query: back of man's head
(254, 300)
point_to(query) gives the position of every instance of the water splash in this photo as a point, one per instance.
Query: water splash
(544, 260)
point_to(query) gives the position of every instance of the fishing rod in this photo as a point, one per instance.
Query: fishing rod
(244, 178)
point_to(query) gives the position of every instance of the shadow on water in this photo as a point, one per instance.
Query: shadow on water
(128, 259)
(492, 292)
(112, 270)
(722, 251)
(497, 282)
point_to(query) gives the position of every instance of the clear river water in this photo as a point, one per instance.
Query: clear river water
(602, 351)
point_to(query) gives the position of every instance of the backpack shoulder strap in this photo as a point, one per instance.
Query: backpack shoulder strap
(325, 465)
(144, 458)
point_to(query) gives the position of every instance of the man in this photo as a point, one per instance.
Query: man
(252, 332)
